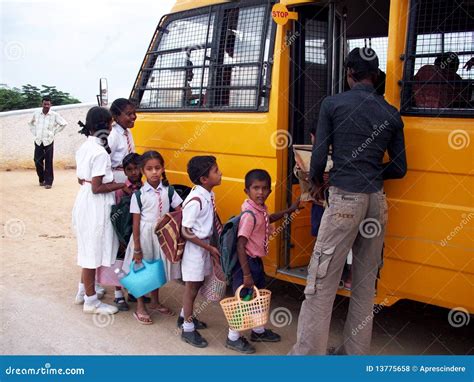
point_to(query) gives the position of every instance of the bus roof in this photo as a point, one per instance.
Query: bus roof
(184, 5)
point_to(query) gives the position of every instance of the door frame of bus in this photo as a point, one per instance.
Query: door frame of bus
(297, 93)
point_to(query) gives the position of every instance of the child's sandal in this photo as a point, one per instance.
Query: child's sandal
(143, 319)
(164, 310)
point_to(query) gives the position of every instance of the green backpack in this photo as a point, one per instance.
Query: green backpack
(228, 244)
(121, 217)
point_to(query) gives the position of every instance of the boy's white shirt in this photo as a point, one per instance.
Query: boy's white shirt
(200, 221)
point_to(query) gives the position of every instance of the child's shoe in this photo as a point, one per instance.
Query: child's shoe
(121, 304)
(99, 308)
(241, 345)
(79, 300)
(266, 336)
(197, 324)
(99, 289)
(194, 338)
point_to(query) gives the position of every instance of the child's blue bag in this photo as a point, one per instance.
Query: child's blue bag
(145, 279)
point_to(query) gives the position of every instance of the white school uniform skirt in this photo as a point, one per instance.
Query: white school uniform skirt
(97, 243)
(151, 251)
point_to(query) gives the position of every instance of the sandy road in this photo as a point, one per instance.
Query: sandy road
(39, 278)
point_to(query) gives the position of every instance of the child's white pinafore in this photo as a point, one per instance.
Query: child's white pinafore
(97, 243)
(149, 214)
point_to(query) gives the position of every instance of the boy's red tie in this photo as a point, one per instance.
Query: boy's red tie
(129, 143)
(217, 221)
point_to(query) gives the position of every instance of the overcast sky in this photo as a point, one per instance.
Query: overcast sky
(71, 44)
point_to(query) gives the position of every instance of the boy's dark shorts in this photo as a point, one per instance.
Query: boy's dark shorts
(257, 271)
(317, 212)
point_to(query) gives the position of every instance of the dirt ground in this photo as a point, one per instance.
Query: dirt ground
(39, 278)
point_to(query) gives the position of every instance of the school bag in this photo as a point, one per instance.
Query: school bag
(228, 244)
(168, 230)
(121, 217)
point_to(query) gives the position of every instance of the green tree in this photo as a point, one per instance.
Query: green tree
(11, 99)
(30, 96)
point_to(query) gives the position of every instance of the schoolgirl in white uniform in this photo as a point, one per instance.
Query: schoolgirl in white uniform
(144, 242)
(120, 139)
(97, 242)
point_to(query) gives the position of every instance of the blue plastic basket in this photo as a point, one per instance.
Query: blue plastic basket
(145, 279)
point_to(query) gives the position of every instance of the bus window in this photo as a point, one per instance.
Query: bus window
(192, 66)
(440, 43)
(238, 67)
(177, 72)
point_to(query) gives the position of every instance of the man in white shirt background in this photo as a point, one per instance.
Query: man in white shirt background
(44, 125)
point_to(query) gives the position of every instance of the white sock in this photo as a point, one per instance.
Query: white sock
(91, 300)
(81, 289)
(182, 313)
(118, 293)
(233, 335)
(259, 330)
(188, 326)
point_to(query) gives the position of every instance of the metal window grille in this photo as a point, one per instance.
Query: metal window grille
(177, 74)
(440, 44)
(213, 61)
(378, 44)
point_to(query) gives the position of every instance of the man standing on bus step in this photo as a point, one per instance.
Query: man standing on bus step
(361, 126)
(44, 125)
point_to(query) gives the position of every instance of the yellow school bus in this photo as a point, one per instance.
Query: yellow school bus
(243, 80)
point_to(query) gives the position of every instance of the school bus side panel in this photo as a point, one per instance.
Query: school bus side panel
(423, 260)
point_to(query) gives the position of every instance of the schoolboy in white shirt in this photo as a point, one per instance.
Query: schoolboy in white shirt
(199, 220)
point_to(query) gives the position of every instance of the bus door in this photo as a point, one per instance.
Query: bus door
(316, 43)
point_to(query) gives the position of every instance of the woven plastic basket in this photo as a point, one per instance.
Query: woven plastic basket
(215, 285)
(243, 315)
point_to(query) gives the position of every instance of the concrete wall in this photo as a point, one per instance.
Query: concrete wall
(17, 143)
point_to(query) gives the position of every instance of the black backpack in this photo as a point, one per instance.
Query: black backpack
(228, 244)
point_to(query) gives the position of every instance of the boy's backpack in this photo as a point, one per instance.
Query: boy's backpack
(121, 217)
(168, 230)
(228, 244)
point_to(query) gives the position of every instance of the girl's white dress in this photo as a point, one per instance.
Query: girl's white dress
(97, 243)
(149, 214)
